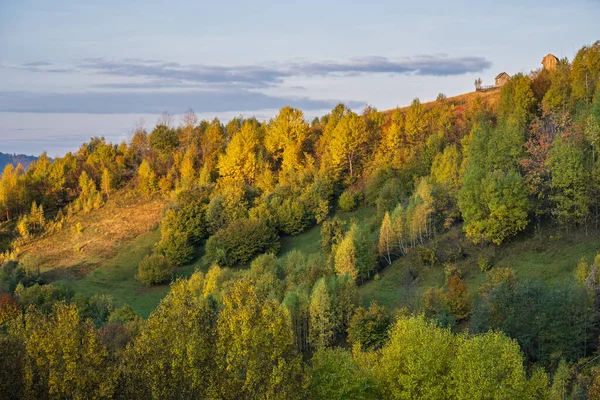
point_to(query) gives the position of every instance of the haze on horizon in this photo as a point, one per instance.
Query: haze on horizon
(75, 69)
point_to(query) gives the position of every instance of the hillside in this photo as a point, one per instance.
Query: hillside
(15, 159)
(465, 100)
(275, 259)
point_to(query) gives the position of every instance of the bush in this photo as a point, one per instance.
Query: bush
(241, 241)
(176, 248)
(427, 257)
(154, 269)
(484, 264)
(348, 201)
(292, 216)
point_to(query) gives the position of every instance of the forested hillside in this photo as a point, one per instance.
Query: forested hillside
(15, 159)
(451, 189)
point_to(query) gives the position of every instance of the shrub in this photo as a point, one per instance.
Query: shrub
(292, 216)
(241, 241)
(154, 269)
(484, 264)
(427, 256)
(348, 201)
(176, 248)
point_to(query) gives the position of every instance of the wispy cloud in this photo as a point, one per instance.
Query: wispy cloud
(160, 74)
(150, 86)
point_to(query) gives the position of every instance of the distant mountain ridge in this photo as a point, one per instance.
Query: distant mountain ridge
(15, 159)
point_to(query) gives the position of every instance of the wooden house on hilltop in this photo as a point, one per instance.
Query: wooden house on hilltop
(549, 62)
(501, 79)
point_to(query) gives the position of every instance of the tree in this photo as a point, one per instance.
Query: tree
(345, 256)
(147, 180)
(65, 356)
(285, 138)
(369, 327)
(366, 250)
(154, 269)
(321, 323)
(493, 199)
(488, 366)
(239, 242)
(417, 360)
(584, 74)
(257, 357)
(242, 160)
(163, 139)
(174, 354)
(106, 183)
(346, 146)
(332, 233)
(386, 239)
(89, 197)
(570, 178)
(517, 102)
(333, 374)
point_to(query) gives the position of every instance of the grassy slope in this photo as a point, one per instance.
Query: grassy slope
(491, 97)
(550, 256)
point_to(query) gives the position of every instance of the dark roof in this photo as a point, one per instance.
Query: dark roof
(500, 75)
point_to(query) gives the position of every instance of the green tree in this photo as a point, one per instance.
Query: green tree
(65, 356)
(585, 75)
(239, 242)
(488, 366)
(257, 356)
(174, 354)
(517, 102)
(369, 327)
(570, 178)
(333, 374)
(154, 269)
(493, 199)
(417, 360)
(321, 319)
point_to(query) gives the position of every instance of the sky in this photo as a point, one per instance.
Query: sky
(73, 69)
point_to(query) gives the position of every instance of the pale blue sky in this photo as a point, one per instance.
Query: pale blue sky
(72, 69)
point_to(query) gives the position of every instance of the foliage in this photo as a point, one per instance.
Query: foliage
(369, 327)
(333, 374)
(241, 241)
(348, 200)
(154, 269)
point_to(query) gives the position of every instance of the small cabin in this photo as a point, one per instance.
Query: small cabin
(501, 79)
(549, 62)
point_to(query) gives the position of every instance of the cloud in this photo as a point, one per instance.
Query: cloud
(160, 74)
(120, 102)
(149, 86)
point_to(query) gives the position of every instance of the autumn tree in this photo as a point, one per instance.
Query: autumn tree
(173, 356)
(257, 357)
(285, 137)
(242, 160)
(65, 356)
(386, 239)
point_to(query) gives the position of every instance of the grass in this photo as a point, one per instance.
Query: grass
(309, 241)
(107, 261)
(116, 277)
(550, 256)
